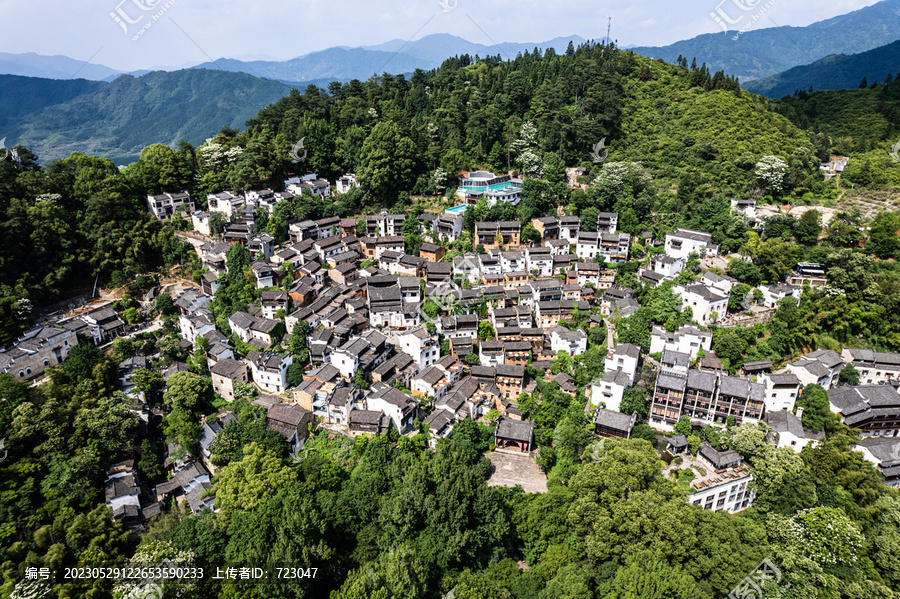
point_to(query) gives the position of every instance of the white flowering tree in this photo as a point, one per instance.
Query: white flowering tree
(526, 150)
(152, 556)
(770, 172)
(214, 155)
(439, 179)
(826, 535)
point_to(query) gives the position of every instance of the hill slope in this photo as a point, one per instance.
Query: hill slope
(838, 71)
(116, 119)
(764, 52)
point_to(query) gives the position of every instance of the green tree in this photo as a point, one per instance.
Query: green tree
(776, 258)
(189, 396)
(728, 345)
(816, 409)
(217, 222)
(635, 400)
(485, 331)
(809, 227)
(643, 431)
(647, 576)
(883, 239)
(387, 161)
(164, 304)
(683, 426)
(242, 484)
(849, 375)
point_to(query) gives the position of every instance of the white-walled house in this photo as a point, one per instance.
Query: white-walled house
(683, 242)
(624, 357)
(572, 342)
(270, 370)
(420, 345)
(782, 390)
(706, 305)
(346, 183)
(820, 367)
(790, 429)
(688, 340)
(609, 390)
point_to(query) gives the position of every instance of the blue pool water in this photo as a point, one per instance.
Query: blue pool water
(457, 209)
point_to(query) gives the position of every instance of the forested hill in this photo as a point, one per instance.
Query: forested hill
(679, 121)
(116, 120)
(838, 71)
(766, 50)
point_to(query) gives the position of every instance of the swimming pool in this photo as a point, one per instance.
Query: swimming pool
(457, 209)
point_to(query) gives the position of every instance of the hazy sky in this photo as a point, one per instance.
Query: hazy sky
(192, 31)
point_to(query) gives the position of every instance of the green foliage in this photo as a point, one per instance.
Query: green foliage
(485, 331)
(827, 535)
(635, 400)
(683, 426)
(849, 375)
(189, 396)
(242, 484)
(249, 427)
(817, 414)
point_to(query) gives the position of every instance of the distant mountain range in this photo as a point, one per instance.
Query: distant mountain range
(53, 67)
(117, 119)
(395, 56)
(761, 52)
(340, 63)
(838, 71)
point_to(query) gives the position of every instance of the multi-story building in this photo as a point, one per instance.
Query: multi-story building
(706, 305)
(609, 390)
(607, 222)
(725, 486)
(683, 242)
(547, 226)
(782, 390)
(706, 396)
(625, 357)
(612, 247)
(270, 370)
(688, 339)
(873, 409)
(448, 227)
(226, 202)
(498, 235)
(36, 350)
(820, 367)
(874, 367)
(573, 342)
(346, 183)
(569, 227)
(420, 345)
(477, 184)
(165, 205)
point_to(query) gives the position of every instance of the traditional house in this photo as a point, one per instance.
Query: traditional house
(165, 205)
(608, 423)
(514, 435)
(225, 373)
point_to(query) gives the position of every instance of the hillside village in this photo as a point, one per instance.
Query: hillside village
(349, 334)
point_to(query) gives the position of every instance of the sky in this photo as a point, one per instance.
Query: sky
(187, 32)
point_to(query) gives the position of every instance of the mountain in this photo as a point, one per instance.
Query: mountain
(117, 119)
(763, 52)
(838, 71)
(396, 56)
(53, 67)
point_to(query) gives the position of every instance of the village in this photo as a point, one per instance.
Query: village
(412, 343)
